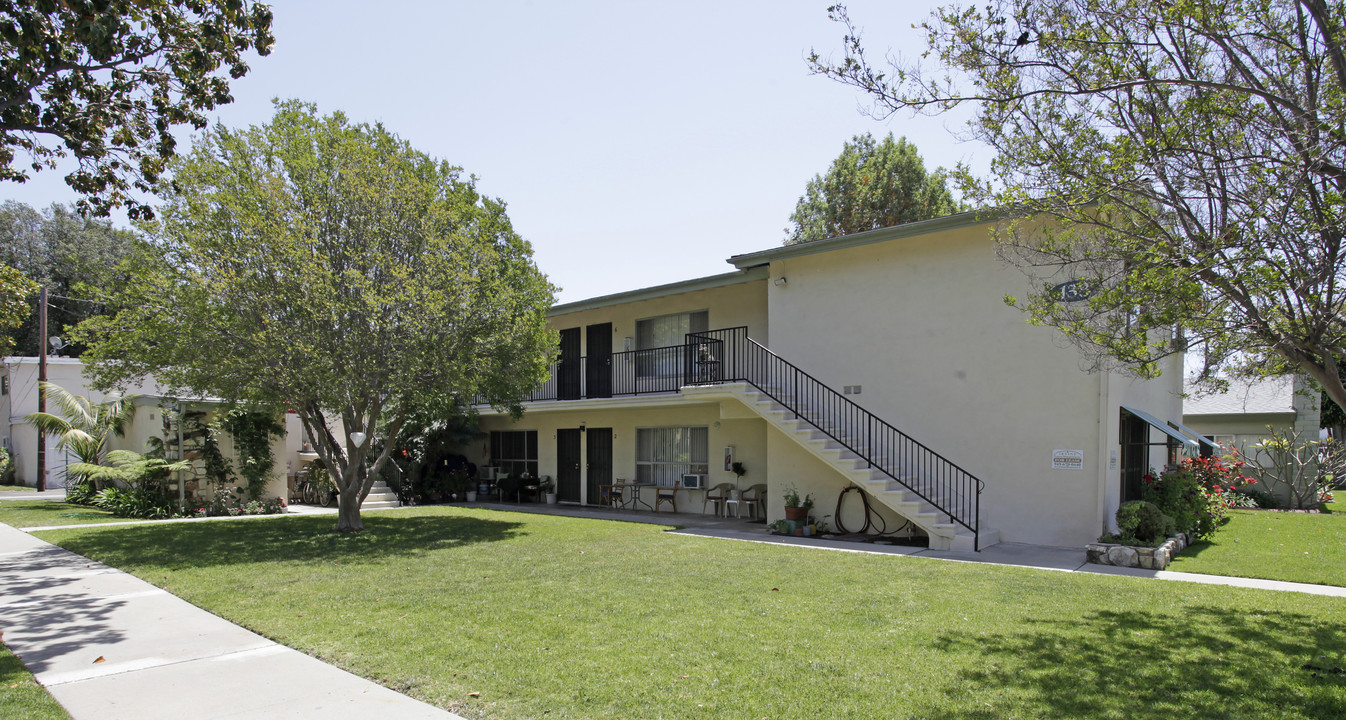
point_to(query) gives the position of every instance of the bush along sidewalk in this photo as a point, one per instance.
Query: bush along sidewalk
(1180, 506)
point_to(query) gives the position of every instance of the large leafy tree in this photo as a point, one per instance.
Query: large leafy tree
(71, 255)
(1171, 165)
(104, 82)
(15, 289)
(331, 267)
(870, 185)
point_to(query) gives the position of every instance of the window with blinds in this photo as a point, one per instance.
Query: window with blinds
(665, 454)
(514, 452)
(666, 331)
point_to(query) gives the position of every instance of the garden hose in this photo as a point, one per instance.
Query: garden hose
(870, 515)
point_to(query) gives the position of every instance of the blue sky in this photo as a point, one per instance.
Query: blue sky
(636, 143)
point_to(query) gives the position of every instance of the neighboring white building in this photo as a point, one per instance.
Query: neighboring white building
(19, 398)
(1239, 417)
(886, 359)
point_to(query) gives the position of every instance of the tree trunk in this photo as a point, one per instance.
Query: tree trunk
(348, 510)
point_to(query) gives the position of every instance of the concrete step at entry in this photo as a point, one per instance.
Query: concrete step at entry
(380, 496)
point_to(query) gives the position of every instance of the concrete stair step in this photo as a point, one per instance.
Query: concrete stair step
(380, 496)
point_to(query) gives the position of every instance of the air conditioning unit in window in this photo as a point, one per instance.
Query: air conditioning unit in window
(693, 482)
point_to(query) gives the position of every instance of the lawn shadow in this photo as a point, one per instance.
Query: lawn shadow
(1195, 549)
(1210, 662)
(306, 539)
(59, 510)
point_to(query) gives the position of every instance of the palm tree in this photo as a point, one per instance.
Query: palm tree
(83, 425)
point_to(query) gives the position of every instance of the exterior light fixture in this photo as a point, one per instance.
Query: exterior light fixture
(358, 438)
(780, 281)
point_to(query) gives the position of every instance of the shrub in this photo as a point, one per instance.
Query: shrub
(81, 493)
(1179, 493)
(1258, 499)
(230, 502)
(6, 468)
(1142, 523)
(134, 503)
(1219, 475)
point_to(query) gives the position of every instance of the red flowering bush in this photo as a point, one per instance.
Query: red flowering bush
(1181, 494)
(1219, 475)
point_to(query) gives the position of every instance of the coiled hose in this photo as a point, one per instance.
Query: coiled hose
(870, 516)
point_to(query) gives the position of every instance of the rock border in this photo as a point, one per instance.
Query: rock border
(1146, 558)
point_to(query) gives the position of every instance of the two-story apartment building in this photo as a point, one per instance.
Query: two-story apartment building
(886, 359)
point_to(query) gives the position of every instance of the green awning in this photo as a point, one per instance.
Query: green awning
(1165, 428)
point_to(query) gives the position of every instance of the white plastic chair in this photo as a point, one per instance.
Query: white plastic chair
(735, 499)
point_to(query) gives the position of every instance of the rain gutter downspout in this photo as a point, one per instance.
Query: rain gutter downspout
(182, 455)
(1104, 445)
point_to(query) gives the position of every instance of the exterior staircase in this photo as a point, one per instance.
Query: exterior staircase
(891, 492)
(900, 473)
(380, 496)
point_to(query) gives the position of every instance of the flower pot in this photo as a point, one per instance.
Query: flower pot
(796, 513)
(551, 498)
(471, 496)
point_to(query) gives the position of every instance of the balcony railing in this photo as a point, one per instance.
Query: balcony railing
(637, 372)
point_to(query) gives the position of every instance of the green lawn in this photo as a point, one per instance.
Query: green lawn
(16, 488)
(1298, 547)
(21, 698)
(46, 513)
(575, 618)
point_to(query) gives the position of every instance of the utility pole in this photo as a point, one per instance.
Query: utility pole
(41, 386)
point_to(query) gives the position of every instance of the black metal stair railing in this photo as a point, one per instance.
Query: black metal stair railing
(729, 355)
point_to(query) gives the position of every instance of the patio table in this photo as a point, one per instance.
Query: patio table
(635, 494)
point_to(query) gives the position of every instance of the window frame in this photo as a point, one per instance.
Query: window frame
(525, 444)
(664, 365)
(665, 472)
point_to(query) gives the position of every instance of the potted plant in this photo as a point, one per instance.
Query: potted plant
(797, 508)
(548, 489)
(738, 470)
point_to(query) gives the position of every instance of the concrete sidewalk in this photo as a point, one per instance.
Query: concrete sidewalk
(108, 645)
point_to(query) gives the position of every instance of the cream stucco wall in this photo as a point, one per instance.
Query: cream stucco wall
(739, 304)
(149, 422)
(747, 435)
(919, 323)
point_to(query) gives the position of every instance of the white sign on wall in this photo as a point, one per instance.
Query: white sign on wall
(1067, 459)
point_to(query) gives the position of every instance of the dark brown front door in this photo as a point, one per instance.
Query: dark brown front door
(1135, 455)
(568, 370)
(598, 470)
(598, 360)
(568, 465)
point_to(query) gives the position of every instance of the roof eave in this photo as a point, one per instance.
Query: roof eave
(896, 232)
(658, 291)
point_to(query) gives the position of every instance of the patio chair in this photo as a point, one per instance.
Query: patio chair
(612, 495)
(734, 500)
(508, 486)
(756, 502)
(667, 495)
(717, 495)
